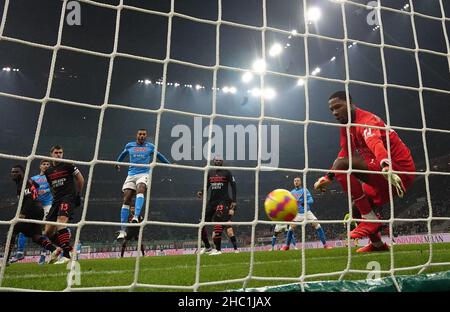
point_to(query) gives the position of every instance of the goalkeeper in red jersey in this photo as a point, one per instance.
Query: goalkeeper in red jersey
(369, 152)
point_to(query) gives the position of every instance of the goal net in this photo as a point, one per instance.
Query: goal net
(246, 80)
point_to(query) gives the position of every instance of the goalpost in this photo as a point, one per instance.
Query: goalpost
(301, 280)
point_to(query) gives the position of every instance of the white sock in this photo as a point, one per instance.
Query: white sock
(370, 216)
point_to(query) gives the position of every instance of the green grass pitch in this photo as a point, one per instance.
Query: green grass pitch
(180, 270)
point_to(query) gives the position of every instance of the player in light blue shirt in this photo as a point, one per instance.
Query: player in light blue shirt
(44, 191)
(304, 210)
(139, 152)
(45, 196)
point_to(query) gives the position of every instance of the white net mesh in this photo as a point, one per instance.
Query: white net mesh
(347, 42)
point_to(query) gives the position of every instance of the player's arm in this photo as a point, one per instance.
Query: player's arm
(79, 182)
(159, 156)
(47, 178)
(31, 182)
(309, 198)
(233, 193)
(122, 156)
(33, 179)
(323, 182)
(208, 185)
(40, 192)
(162, 158)
(372, 137)
(45, 191)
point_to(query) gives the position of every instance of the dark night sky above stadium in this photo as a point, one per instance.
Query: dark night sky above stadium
(82, 78)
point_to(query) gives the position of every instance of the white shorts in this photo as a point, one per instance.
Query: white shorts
(301, 216)
(280, 228)
(46, 210)
(132, 181)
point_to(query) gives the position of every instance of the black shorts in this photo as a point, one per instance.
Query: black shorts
(32, 210)
(28, 229)
(63, 207)
(218, 212)
(132, 233)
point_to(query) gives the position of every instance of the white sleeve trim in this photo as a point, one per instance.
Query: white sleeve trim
(386, 161)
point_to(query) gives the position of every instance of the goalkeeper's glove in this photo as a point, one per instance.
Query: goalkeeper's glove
(322, 183)
(396, 181)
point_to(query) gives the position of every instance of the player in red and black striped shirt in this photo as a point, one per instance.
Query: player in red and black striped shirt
(66, 183)
(220, 206)
(369, 152)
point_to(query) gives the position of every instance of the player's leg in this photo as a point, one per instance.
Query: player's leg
(44, 251)
(125, 210)
(128, 190)
(377, 188)
(20, 253)
(217, 239)
(21, 242)
(12, 243)
(293, 240)
(274, 239)
(64, 214)
(376, 244)
(210, 209)
(50, 231)
(64, 235)
(319, 230)
(139, 201)
(279, 228)
(290, 233)
(289, 236)
(230, 231)
(232, 237)
(205, 241)
(38, 238)
(218, 229)
(142, 250)
(360, 198)
(141, 188)
(124, 245)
